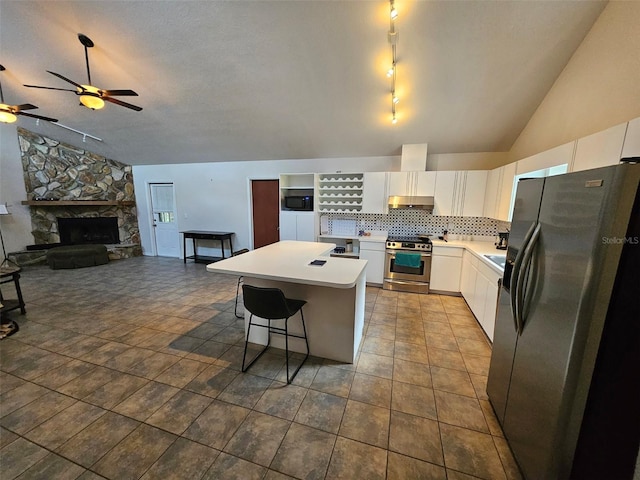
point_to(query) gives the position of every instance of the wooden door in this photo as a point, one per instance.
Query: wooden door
(265, 195)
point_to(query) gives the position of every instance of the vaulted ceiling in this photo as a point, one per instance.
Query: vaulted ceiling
(253, 80)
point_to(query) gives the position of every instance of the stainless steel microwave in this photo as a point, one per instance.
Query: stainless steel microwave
(303, 203)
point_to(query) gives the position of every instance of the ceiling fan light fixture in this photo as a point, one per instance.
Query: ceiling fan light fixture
(5, 114)
(90, 97)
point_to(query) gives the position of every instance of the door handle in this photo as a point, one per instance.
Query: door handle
(526, 263)
(515, 277)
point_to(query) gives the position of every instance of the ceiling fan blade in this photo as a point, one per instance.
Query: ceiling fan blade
(120, 93)
(39, 117)
(24, 106)
(122, 104)
(51, 88)
(66, 79)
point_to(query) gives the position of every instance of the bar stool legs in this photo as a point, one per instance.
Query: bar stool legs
(270, 304)
(235, 309)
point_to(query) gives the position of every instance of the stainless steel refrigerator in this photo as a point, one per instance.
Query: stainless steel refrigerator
(564, 379)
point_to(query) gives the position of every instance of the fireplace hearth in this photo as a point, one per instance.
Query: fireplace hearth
(88, 230)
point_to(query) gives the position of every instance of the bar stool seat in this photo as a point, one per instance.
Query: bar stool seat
(271, 304)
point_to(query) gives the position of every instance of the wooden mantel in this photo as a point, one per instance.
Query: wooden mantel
(81, 203)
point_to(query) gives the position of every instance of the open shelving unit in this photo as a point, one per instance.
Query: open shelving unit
(301, 184)
(340, 192)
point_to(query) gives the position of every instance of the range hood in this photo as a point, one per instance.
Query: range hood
(419, 203)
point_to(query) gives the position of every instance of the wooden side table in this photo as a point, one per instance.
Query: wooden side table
(196, 235)
(8, 275)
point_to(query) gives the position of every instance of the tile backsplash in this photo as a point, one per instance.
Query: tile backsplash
(407, 222)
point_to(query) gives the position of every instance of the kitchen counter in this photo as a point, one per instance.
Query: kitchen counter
(289, 261)
(477, 248)
(360, 238)
(335, 294)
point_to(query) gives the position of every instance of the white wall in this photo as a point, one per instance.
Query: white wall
(599, 87)
(467, 161)
(16, 228)
(215, 196)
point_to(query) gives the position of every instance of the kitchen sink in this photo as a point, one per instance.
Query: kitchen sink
(500, 260)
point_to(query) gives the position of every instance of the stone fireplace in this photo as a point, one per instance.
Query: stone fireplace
(73, 193)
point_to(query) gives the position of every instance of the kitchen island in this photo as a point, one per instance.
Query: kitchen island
(335, 294)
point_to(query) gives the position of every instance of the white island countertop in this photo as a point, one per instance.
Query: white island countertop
(288, 261)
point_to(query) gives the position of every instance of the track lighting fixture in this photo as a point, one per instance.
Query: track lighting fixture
(392, 73)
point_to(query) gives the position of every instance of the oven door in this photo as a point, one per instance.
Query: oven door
(420, 274)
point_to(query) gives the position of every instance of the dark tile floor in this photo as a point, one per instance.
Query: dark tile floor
(132, 370)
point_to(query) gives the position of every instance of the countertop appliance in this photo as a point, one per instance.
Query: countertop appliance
(565, 366)
(299, 202)
(503, 240)
(408, 277)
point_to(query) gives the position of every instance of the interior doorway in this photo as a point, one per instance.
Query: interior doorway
(165, 229)
(265, 200)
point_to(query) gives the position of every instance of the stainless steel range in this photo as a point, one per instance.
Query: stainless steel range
(408, 275)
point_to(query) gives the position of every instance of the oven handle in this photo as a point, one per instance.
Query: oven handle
(393, 253)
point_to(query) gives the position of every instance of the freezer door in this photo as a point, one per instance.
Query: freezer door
(525, 213)
(559, 276)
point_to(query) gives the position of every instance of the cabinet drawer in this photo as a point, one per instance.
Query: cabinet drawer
(489, 273)
(375, 246)
(447, 251)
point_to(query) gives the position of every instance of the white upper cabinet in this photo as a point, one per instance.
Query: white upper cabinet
(497, 200)
(475, 185)
(425, 184)
(445, 194)
(560, 155)
(410, 184)
(460, 193)
(600, 149)
(374, 193)
(631, 147)
(504, 210)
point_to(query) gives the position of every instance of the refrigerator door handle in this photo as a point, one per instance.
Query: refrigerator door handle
(520, 293)
(515, 278)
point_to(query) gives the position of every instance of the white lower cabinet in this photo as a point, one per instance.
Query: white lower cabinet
(480, 286)
(373, 252)
(297, 226)
(446, 266)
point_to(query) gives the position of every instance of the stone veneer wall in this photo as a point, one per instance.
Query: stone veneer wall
(58, 171)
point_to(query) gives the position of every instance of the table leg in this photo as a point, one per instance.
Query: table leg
(16, 280)
(184, 247)
(195, 251)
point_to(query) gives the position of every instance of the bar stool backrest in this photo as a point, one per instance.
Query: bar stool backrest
(269, 303)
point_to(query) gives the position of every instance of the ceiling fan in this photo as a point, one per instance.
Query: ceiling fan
(90, 96)
(8, 113)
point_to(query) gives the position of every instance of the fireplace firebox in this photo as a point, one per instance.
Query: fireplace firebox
(87, 230)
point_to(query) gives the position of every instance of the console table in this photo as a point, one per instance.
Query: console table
(196, 235)
(7, 275)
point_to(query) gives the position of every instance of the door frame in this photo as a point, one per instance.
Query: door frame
(250, 179)
(152, 231)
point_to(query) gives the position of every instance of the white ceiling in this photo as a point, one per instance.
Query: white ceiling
(252, 80)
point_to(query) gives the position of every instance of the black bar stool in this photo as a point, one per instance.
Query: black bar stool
(271, 304)
(240, 278)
